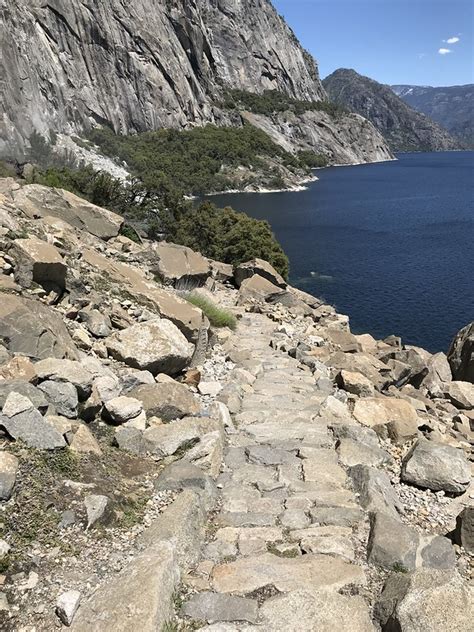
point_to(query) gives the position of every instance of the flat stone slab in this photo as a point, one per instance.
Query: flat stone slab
(214, 607)
(137, 598)
(306, 432)
(316, 611)
(252, 573)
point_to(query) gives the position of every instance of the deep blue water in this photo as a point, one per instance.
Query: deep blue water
(390, 244)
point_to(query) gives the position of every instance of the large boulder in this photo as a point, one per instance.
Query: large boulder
(168, 400)
(391, 543)
(414, 357)
(36, 261)
(259, 288)
(439, 373)
(167, 439)
(30, 328)
(262, 268)
(56, 370)
(437, 467)
(21, 420)
(376, 493)
(186, 317)
(426, 601)
(461, 394)
(377, 412)
(180, 266)
(156, 346)
(35, 200)
(461, 354)
(140, 597)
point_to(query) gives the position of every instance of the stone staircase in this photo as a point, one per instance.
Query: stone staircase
(281, 550)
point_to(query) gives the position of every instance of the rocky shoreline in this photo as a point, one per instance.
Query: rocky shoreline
(160, 472)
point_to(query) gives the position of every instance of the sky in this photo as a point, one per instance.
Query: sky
(416, 42)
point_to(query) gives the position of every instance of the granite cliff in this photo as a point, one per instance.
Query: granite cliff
(403, 128)
(149, 64)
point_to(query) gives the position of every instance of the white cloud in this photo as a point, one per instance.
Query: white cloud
(452, 40)
(444, 51)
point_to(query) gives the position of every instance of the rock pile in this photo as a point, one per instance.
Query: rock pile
(290, 476)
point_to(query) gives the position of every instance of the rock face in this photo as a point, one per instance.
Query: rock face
(404, 129)
(179, 57)
(176, 53)
(461, 354)
(347, 139)
(449, 106)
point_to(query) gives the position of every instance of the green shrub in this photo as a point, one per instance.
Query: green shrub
(196, 161)
(7, 170)
(217, 316)
(273, 101)
(228, 236)
(312, 159)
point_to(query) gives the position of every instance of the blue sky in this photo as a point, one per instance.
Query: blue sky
(392, 41)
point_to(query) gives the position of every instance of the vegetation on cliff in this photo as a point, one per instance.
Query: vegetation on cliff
(204, 159)
(272, 101)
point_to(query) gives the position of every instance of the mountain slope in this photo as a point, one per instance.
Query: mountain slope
(404, 129)
(68, 64)
(452, 107)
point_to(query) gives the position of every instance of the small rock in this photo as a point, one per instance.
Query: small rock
(4, 606)
(8, 470)
(210, 388)
(67, 605)
(68, 518)
(123, 409)
(84, 442)
(95, 507)
(4, 548)
(464, 534)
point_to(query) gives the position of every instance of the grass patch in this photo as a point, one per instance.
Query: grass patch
(399, 568)
(217, 316)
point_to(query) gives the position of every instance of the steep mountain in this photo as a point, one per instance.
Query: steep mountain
(66, 65)
(404, 128)
(452, 107)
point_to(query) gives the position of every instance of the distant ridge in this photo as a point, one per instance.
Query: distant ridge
(451, 106)
(403, 127)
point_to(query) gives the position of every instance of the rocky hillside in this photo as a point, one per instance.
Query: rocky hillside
(146, 65)
(452, 107)
(165, 467)
(404, 128)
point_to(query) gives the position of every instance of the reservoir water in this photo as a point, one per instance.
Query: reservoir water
(390, 244)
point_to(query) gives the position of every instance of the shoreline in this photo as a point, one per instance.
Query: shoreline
(297, 188)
